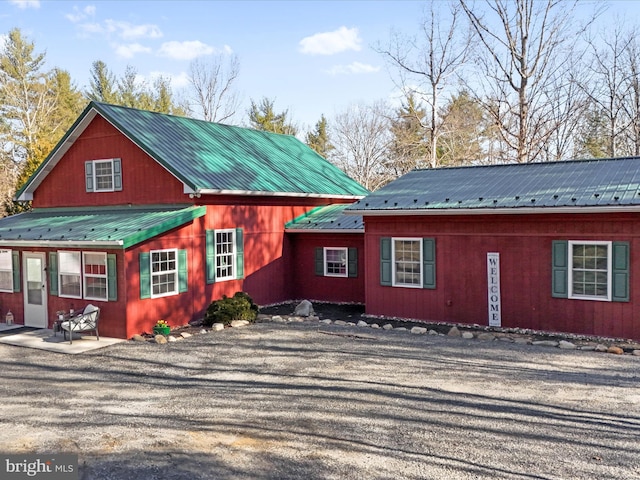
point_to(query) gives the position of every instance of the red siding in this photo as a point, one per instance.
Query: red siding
(144, 181)
(306, 284)
(524, 244)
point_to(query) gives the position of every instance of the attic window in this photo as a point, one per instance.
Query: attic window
(103, 175)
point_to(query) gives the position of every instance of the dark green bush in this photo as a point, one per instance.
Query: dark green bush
(225, 310)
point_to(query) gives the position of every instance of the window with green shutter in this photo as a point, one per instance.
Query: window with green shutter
(224, 254)
(408, 262)
(590, 270)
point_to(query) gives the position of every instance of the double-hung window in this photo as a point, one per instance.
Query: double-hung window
(103, 175)
(95, 275)
(225, 254)
(164, 273)
(335, 262)
(590, 272)
(6, 271)
(408, 262)
(69, 274)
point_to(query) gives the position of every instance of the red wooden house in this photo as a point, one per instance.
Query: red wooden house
(549, 246)
(152, 216)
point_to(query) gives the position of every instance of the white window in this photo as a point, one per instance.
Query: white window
(69, 272)
(164, 273)
(95, 276)
(103, 175)
(335, 262)
(225, 254)
(6, 271)
(407, 262)
(590, 270)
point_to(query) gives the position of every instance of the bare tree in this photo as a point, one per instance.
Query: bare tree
(427, 65)
(212, 82)
(361, 138)
(525, 48)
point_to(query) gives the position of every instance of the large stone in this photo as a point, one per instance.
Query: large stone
(467, 335)
(418, 330)
(601, 348)
(454, 332)
(362, 324)
(138, 338)
(160, 339)
(566, 345)
(636, 353)
(615, 350)
(217, 327)
(486, 337)
(375, 325)
(239, 323)
(304, 309)
(387, 326)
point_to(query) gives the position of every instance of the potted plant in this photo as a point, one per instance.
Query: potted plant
(161, 328)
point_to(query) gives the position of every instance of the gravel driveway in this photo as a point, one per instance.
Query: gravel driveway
(277, 401)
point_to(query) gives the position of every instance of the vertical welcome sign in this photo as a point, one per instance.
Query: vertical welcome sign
(493, 289)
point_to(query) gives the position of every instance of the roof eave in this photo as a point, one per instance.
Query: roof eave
(320, 230)
(493, 211)
(255, 193)
(63, 243)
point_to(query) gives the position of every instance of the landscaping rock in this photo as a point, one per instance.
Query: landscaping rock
(304, 309)
(239, 323)
(401, 329)
(636, 353)
(545, 343)
(486, 337)
(217, 327)
(467, 335)
(522, 340)
(138, 338)
(326, 321)
(566, 345)
(185, 335)
(387, 326)
(615, 350)
(171, 338)
(362, 324)
(204, 330)
(313, 318)
(433, 332)
(418, 330)
(278, 318)
(375, 325)
(601, 348)
(454, 332)
(160, 339)
(340, 322)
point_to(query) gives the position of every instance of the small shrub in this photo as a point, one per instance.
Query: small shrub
(226, 310)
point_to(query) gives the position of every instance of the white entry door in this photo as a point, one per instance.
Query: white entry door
(35, 290)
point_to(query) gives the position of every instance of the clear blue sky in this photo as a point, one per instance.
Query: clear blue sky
(312, 57)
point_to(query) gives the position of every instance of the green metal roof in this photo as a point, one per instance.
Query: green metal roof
(579, 185)
(96, 227)
(215, 158)
(329, 218)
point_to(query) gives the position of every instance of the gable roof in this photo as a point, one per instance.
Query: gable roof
(326, 219)
(212, 158)
(572, 186)
(95, 227)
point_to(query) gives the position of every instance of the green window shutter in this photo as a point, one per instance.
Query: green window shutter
(145, 275)
(112, 278)
(239, 253)
(210, 256)
(183, 271)
(319, 261)
(15, 265)
(620, 274)
(352, 262)
(560, 269)
(429, 263)
(385, 261)
(117, 174)
(88, 176)
(53, 273)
